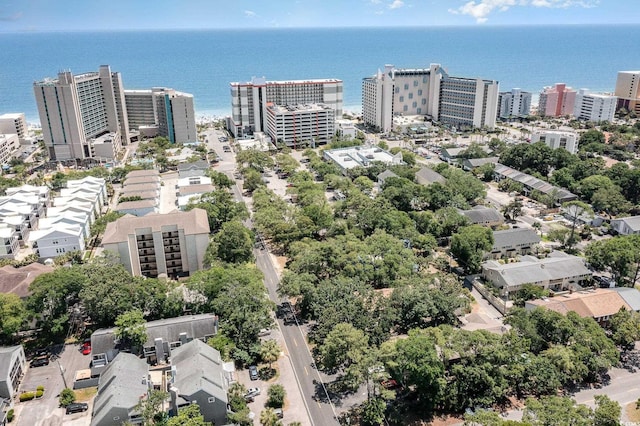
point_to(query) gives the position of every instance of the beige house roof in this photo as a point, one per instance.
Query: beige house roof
(17, 280)
(192, 222)
(142, 173)
(596, 303)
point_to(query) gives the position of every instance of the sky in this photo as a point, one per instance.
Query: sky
(90, 15)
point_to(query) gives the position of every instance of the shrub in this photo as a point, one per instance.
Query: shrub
(67, 396)
(10, 415)
(27, 396)
(276, 396)
(40, 388)
(39, 393)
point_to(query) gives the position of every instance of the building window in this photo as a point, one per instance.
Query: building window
(419, 92)
(405, 108)
(415, 83)
(401, 98)
(406, 86)
(411, 95)
(211, 400)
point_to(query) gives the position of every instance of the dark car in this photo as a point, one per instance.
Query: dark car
(40, 361)
(253, 372)
(77, 407)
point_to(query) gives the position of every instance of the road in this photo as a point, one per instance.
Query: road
(310, 383)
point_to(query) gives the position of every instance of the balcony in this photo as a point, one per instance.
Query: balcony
(145, 244)
(144, 238)
(171, 249)
(170, 241)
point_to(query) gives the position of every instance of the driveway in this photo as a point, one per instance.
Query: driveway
(60, 372)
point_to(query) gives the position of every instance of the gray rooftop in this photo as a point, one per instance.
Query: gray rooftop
(514, 237)
(386, 174)
(195, 326)
(195, 165)
(121, 385)
(530, 269)
(482, 214)
(198, 367)
(633, 222)
(630, 295)
(427, 176)
(477, 162)
(534, 183)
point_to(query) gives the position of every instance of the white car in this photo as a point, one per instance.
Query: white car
(253, 391)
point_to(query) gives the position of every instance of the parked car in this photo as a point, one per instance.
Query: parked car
(253, 372)
(40, 361)
(226, 148)
(390, 384)
(86, 348)
(251, 394)
(278, 412)
(77, 407)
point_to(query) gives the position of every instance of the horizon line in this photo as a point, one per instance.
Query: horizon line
(355, 27)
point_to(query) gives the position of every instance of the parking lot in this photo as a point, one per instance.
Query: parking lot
(58, 374)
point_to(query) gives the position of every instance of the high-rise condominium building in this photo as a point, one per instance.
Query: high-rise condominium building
(594, 107)
(628, 91)
(515, 103)
(14, 124)
(75, 110)
(250, 100)
(556, 101)
(456, 101)
(297, 125)
(172, 112)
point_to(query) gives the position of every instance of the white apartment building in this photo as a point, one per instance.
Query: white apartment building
(455, 101)
(9, 145)
(515, 103)
(76, 109)
(300, 125)
(250, 100)
(15, 124)
(628, 91)
(594, 107)
(9, 241)
(557, 139)
(56, 241)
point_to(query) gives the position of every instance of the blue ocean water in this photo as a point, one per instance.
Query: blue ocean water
(204, 62)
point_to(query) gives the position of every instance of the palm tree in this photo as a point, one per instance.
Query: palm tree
(270, 352)
(268, 417)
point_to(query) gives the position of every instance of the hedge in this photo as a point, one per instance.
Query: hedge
(40, 388)
(27, 396)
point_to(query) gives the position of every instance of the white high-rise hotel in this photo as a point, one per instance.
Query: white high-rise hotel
(455, 101)
(250, 100)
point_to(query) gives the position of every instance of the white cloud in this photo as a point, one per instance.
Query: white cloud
(481, 9)
(250, 14)
(396, 4)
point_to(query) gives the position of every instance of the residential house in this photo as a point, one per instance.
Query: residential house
(485, 216)
(17, 280)
(599, 304)
(41, 191)
(19, 224)
(469, 164)
(196, 168)
(132, 190)
(53, 242)
(13, 365)
(198, 375)
(163, 336)
(427, 176)
(452, 155)
(77, 209)
(513, 242)
(123, 383)
(171, 244)
(9, 241)
(626, 225)
(384, 176)
(139, 180)
(531, 183)
(138, 208)
(69, 219)
(191, 192)
(558, 272)
(193, 180)
(90, 182)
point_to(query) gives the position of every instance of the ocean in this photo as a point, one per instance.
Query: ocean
(205, 62)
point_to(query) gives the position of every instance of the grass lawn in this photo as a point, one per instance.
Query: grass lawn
(84, 395)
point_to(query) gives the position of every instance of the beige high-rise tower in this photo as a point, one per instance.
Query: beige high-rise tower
(83, 116)
(628, 91)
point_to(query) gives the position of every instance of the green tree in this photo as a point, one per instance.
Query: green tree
(220, 207)
(624, 327)
(131, 328)
(67, 396)
(268, 417)
(270, 351)
(607, 412)
(232, 244)
(150, 408)
(12, 315)
(252, 180)
(619, 254)
(373, 411)
(469, 244)
(188, 416)
(529, 292)
(575, 210)
(277, 395)
(254, 159)
(556, 410)
(343, 346)
(220, 180)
